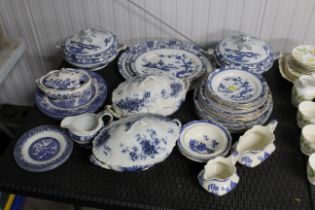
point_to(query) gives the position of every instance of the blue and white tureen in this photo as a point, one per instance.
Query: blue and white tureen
(246, 51)
(90, 48)
(135, 143)
(156, 93)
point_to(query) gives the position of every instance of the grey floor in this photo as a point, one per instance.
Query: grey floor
(38, 204)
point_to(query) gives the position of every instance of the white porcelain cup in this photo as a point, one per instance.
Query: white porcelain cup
(306, 113)
(310, 169)
(307, 140)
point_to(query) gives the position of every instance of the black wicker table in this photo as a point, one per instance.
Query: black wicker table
(278, 183)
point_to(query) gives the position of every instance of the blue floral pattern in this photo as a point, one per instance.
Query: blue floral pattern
(134, 104)
(202, 148)
(149, 146)
(236, 88)
(44, 148)
(264, 157)
(247, 161)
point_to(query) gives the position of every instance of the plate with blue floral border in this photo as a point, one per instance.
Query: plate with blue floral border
(43, 148)
(57, 112)
(233, 85)
(180, 59)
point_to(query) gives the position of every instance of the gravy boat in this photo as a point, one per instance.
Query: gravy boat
(84, 127)
(256, 145)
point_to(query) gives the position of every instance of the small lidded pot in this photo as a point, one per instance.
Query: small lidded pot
(246, 51)
(65, 83)
(90, 48)
(307, 140)
(306, 113)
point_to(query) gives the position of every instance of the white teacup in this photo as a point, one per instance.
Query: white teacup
(310, 169)
(306, 113)
(307, 140)
(303, 89)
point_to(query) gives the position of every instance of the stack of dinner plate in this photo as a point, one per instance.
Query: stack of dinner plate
(234, 97)
(301, 61)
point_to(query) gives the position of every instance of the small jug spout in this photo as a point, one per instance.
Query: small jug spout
(66, 123)
(272, 125)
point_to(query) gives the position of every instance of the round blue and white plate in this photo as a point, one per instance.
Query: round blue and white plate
(43, 148)
(234, 85)
(58, 112)
(180, 59)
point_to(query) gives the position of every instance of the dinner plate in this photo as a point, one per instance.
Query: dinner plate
(57, 112)
(43, 148)
(236, 85)
(180, 59)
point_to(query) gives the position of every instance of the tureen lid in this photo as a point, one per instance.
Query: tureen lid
(136, 141)
(243, 49)
(89, 42)
(64, 81)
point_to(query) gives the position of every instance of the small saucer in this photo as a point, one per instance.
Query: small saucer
(202, 140)
(43, 148)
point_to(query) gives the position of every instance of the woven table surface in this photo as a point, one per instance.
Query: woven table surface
(278, 183)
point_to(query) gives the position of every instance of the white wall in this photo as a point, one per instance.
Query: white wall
(44, 23)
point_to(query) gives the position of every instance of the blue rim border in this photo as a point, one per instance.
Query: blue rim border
(24, 164)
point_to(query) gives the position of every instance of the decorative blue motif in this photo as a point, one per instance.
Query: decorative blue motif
(45, 105)
(149, 146)
(231, 187)
(213, 188)
(79, 47)
(134, 168)
(202, 147)
(236, 88)
(264, 157)
(240, 56)
(247, 161)
(243, 41)
(134, 104)
(175, 90)
(102, 138)
(178, 63)
(44, 148)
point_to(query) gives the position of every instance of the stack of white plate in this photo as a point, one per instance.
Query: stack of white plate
(180, 59)
(300, 62)
(234, 97)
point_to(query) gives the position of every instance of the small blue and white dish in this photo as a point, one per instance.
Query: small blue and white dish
(47, 107)
(135, 142)
(202, 140)
(249, 52)
(180, 59)
(43, 148)
(90, 48)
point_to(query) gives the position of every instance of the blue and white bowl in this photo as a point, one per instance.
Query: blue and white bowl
(43, 148)
(90, 48)
(202, 140)
(249, 52)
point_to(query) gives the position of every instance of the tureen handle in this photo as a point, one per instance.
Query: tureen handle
(60, 45)
(186, 84)
(130, 128)
(111, 110)
(105, 113)
(177, 121)
(211, 52)
(122, 47)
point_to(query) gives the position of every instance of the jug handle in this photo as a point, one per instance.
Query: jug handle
(105, 113)
(273, 124)
(186, 84)
(111, 110)
(235, 155)
(177, 121)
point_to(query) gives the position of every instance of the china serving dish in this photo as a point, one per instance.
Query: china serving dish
(84, 127)
(202, 140)
(219, 176)
(304, 55)
(63, 109)
(135, 143)
(249, 52)
(180, 59)
(255, 145)
(90, 48)
(43, 148)
(65, 83)
(156, 93)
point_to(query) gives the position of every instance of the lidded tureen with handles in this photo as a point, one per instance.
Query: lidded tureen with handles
(135, 142)
(246, 51)
(155, 93)
(90, 48)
